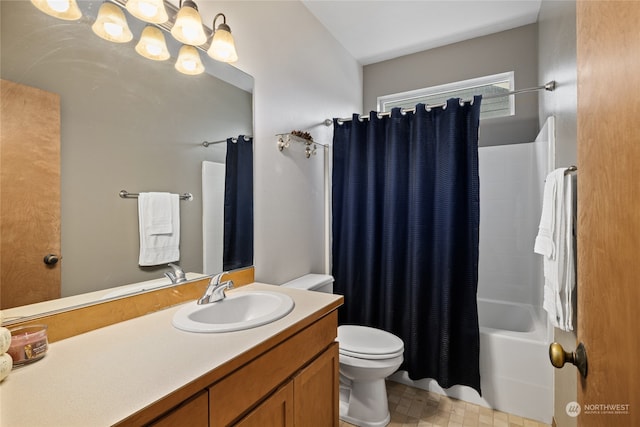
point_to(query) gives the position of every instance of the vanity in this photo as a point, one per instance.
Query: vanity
(144, 371)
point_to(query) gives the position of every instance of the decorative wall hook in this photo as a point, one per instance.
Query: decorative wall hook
(285, 140)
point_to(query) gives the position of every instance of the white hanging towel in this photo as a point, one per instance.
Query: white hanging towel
(555, 242)
(159, 226)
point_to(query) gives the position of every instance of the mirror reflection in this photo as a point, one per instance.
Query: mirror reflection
(125, 123)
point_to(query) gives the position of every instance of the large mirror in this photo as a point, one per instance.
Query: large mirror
(126, 123)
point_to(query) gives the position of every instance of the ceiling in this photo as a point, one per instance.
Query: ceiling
(377, 30)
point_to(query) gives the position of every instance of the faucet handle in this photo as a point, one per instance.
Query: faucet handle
(219, 291)
(216, 279)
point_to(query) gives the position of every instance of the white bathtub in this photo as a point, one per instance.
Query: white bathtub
(515, 373)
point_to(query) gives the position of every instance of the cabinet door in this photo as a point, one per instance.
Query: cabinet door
(275, 411)
(316, 391)
(192, 413)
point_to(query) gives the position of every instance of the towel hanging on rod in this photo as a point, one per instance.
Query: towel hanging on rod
(126, 195)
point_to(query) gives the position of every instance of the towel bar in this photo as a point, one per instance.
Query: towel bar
(126, 195)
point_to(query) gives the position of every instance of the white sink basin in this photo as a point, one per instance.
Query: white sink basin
(238, 311)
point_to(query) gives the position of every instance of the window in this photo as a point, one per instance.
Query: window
(489, 85)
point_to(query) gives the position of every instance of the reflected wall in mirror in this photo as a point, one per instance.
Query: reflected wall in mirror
(126, 122)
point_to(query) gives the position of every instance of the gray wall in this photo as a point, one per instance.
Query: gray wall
(512, 50)
(302, 76)
(557, 61)
(126, 123)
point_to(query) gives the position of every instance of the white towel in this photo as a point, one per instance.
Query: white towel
(544, 243)
(555, 242)
(157, 215)
(570, 233)
(159, 226)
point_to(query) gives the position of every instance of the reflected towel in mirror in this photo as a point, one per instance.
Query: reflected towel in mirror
(159, 226)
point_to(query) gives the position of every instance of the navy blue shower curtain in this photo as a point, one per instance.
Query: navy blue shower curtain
(238, 204)
(405, 234)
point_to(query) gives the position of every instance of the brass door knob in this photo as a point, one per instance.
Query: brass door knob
(559, 357)
(51, 259)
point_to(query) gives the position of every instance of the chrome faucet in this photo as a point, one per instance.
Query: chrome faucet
(177, 275)
(215, 290)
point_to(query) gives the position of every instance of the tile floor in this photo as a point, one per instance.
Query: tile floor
(412, 407)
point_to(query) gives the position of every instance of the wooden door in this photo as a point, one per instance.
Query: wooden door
(608, 55)
(29, 194)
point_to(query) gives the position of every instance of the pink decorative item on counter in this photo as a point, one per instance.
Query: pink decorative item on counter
(28, 344)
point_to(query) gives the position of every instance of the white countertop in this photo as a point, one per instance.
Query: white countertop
(104, 376)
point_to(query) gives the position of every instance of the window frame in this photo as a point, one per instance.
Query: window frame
(418, 94)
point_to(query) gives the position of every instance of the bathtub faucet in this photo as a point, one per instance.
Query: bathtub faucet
(215, 290)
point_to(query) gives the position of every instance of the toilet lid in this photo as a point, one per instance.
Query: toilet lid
(370, 343)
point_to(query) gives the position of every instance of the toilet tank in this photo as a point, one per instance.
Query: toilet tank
(312, 282)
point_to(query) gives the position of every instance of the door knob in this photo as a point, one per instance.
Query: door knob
(559, 357)
(51, 259)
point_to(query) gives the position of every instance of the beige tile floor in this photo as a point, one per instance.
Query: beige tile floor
(411, 407)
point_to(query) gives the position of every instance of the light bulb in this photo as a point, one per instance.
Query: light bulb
(60, 6)
(152, 11)
(147, 9)
(61, 9)
(111, 24)
(114, 30)
(152, 44)
(188, 27)
(189, 61)
(153, 50)
(222, 47)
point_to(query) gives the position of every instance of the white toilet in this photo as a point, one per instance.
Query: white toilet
(367, 357)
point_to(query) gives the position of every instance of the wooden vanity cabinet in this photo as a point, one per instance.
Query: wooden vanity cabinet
(294, 383)
(309, 399)
(193, 412)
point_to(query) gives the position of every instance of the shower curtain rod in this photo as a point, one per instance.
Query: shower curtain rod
(234, 140)
(550, 86)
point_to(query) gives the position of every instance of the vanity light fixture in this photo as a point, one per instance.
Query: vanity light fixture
(152, 44)
(151, 11)
(222, 48)
(188, 26)
(189, 61)
(61, 9)
(111, 24)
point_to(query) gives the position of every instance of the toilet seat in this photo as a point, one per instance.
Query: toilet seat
(368, 343)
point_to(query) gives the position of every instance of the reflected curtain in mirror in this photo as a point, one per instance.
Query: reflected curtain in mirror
(406, 231)
(238, 204)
